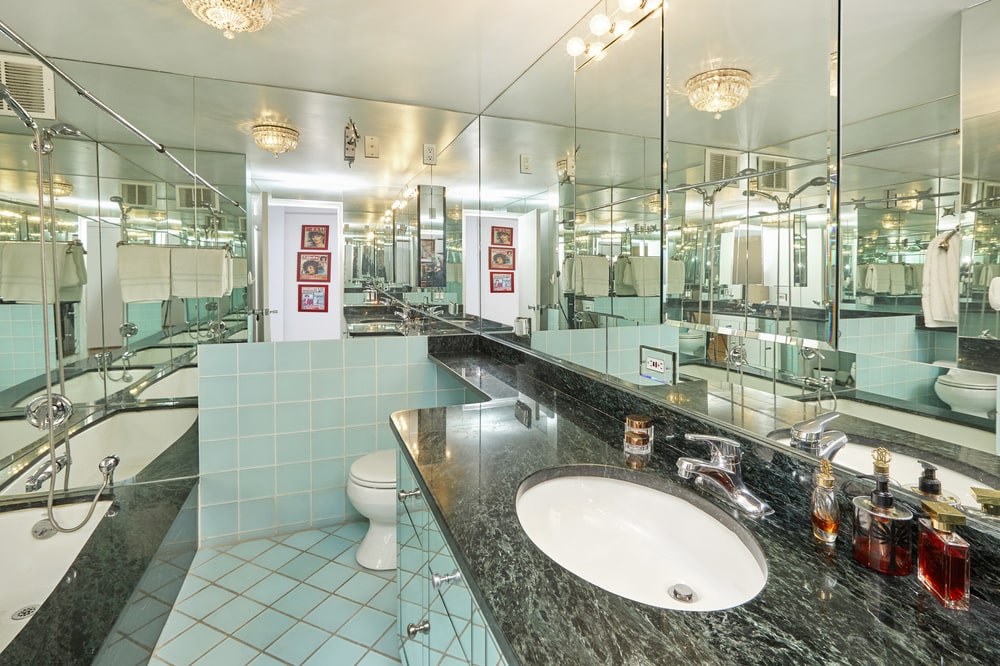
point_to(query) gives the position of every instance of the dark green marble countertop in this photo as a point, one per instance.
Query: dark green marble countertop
(818, 607)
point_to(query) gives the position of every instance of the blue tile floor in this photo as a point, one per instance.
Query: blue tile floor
(289, 599)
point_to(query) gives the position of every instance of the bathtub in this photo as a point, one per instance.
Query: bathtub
(181, 383)
(136, 436)
(157, 356)
(87, 387)
(34, 567)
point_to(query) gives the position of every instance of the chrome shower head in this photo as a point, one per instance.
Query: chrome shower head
(64, 129)
(117, 199)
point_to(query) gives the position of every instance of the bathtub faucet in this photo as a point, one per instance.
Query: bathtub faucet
(43, 474)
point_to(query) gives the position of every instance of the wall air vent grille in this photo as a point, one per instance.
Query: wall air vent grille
(991, 195)
(31, 84)
(968, 192)
(774, 182)
(189, 197)
(142, 195)
(721, 165)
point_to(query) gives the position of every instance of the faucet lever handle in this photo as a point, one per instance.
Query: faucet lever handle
(811, 430)
(722, 447)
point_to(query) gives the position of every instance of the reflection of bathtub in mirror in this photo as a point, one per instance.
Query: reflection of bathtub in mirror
(157, 356)
(180, 383)
(34, 567)
(89, 386)
(137, 436)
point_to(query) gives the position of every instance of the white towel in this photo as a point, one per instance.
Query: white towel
(590, 275)
(878, 278)
(995, 293)
(20, 281)
(624, 277)
(647, 276)
(240, 272)
(200, 272)
(940, 286)
(144, 273)
(897, 279)
(917, 278)
(567, 273)
(675, 276)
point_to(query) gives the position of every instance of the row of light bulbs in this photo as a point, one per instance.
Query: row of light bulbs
(602, 24)
(399, 204)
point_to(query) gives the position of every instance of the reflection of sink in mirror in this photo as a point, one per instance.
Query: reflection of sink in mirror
(34, 567)
(137, 436)
(907, 470)
(181, 383)
(643, 544)
(90, 386)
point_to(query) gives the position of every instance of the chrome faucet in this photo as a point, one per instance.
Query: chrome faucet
(43, 474)
(722, 475)
(812, 436)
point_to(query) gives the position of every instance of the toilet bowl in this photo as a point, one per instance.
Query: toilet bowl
(692, 343)
(372, 490)
(967, 391)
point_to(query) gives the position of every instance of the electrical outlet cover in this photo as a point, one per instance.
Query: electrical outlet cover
(371, 147)
(430, 154)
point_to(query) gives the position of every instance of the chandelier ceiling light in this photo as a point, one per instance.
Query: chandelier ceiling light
(718, 90)
(57, 188)
(275, 137)
(232, 16)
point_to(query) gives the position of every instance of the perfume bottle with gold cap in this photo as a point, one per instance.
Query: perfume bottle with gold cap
(882, 538)
(824, 506)
(989, 500)
(943, 556)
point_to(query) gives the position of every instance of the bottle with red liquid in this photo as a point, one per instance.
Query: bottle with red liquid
(882, 535)
(824, 507)
(943, 556)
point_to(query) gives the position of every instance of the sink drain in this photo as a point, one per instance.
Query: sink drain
(24, 613)
(43, 529)
(682, 593)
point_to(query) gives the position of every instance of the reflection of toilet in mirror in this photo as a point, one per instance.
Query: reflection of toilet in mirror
(691, 342)
(967, 391)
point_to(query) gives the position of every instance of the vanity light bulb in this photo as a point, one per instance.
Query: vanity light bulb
(576, 46)
(600, 24)
(622, 27)
(595, 49)
(629, 5)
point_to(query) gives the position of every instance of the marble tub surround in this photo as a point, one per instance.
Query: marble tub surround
(818, 607)
(73, 624)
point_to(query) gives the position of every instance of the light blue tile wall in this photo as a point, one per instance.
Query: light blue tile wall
(22, 356)
(281, 423)
(587, 346)
(895, 359)
(147, 317)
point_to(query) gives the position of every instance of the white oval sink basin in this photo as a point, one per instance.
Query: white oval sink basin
(643, 544)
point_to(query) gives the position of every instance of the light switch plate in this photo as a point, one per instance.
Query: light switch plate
(527, 164)
(371, 147)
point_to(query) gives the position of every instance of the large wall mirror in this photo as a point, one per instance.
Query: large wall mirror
(107, 325)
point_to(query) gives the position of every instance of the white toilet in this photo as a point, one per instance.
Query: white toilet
(967, 391)
(691, 343)
(372, 490)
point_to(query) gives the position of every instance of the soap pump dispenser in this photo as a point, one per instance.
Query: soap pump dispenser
(824, 507)
(943, 556)
(882, 535)
(929, 485)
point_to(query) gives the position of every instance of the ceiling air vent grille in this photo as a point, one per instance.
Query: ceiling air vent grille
(968, 192)
(772, 182)
(31, 84)
(189, 197)
(142, 195)
(991, 195)
(720, 165)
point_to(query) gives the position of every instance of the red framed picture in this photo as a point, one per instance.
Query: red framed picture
(313, 298)
(314, 267)
(502, 283)
(315, 237)
(503, 235)
(501, 258)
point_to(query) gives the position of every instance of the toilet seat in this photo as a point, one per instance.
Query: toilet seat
(375, 470)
